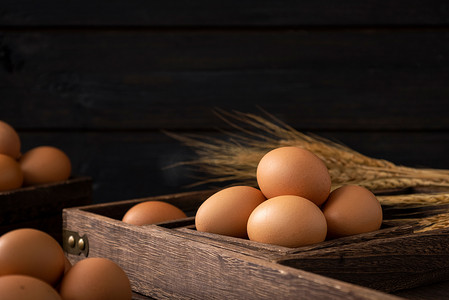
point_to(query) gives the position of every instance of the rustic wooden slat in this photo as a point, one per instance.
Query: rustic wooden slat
(41, 206)
(271, 251)
(379, 263)
(438, 290)
(163, 263)
(189, 203)
(137, 296)
(229, 13)
(339, 79)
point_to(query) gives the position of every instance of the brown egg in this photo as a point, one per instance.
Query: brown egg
(289, 221)
(11, 176)
(151, 212)
(31, 252)
(67, 267)
(227, 211)
(95, 279)
(352, 209)
(45, 164)
(293, 171)
(22, 287)
(9, 140)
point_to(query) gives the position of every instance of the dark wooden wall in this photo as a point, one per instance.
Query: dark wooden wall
(101, 79)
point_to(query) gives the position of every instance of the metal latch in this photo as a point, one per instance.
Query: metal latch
(73, 243)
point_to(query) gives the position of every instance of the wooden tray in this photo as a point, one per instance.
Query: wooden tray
(40, 206)
(173, 260)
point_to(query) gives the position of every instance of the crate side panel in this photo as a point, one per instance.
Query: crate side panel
(162, 264)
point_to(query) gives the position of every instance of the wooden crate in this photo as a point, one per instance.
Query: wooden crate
(40, 206)
(173, 260)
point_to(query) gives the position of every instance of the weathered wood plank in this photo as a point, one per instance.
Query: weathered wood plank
(380, 263)
(229, 13)
(41, 206)
(348, 79)
(167, 265)
(434, 291)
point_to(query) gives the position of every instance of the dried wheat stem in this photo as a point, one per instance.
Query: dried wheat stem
(414, 200)
(236, 158)
(438, 221)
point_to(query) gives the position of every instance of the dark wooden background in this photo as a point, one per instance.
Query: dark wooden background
(101, 79)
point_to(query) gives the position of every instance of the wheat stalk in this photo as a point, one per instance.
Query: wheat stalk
(438, 221)
(236, 158)
(422, 224)
(414, 200)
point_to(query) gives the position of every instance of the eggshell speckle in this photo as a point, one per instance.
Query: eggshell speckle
(151, 212)
(350, 210)
(227, 211)
(293, 171)
(45, 164)
(95, 278)
(31, 252)
(288, 220)
(22, 287)
(11, 176)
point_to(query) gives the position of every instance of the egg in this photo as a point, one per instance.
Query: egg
(22, 287)
(95, 278)
(45, 164)
(9, 140)
(293, 171)
(67, 267)
(32, 252)
(288, 220)
(11, 176)
(352, 209)
(227, 211)
(151, 212)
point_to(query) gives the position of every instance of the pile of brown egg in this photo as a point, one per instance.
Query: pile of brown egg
(34, 266)
(39, 165)
(293, 205)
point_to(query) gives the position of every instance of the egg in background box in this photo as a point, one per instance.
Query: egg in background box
(11, 176)
(289, 221)
(9, 140)
(45, 164)
(151, 212)
(227, 211)
(293, 171)
(31, 252)
(350, 210)
(95, 278)
(22, 287)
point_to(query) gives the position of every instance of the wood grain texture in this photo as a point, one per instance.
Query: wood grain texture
(432, 291)
(411, 260)
(167, 265)
(390, 259)
(229, 13)
(346, 79)
(41, 206)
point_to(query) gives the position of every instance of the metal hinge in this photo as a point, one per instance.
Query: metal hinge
(73, 243)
